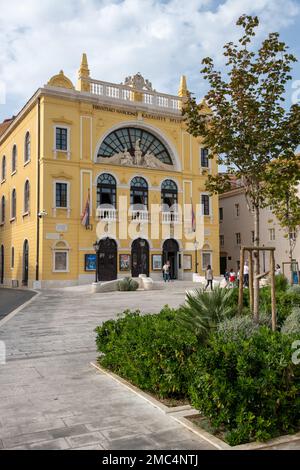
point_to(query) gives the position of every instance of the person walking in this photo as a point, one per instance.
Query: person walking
(209, 276)
(277, 270)
(232, 278)
(166, 271)
(246, 274)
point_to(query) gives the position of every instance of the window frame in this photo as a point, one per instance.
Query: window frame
(209, 253)
(3, 212)
(203, 205)
(204, 167)
(3, 168)
(13, 206)
(27, 145)
(67, 183)
(14, 159)
(273, 237)
(55, 149)
(26, 210)
(60, 250)
(12, 258)
(238, 238)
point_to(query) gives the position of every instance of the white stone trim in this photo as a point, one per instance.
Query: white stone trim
(54, 207)
(55, 150)
(90, 172)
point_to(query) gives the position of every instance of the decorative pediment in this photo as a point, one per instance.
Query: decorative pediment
(62, 175)
(138, 82)
(61, 81)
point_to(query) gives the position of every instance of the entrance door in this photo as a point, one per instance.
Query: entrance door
(25, 263)
(139, 257)
(223, 264)
(170, 250)
(107, 260)
(2, 264)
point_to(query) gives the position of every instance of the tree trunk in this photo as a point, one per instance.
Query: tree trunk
(256, 265)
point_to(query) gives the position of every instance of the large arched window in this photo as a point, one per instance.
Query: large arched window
(137, 143)
(13, 204)
(14, 159)
(169, 194)
(27, 148)
(106, 191)
(3, 168)
(2, 210)
(26, 196)
(139, 193)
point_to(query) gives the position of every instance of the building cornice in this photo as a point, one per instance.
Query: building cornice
(232, 192)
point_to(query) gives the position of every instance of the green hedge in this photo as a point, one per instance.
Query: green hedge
(151, 351)
(248, 386)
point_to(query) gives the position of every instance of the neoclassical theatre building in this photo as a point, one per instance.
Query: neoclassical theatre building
(100, 181)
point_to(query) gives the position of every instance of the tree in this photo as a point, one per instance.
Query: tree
(283, 195)
(248, 127)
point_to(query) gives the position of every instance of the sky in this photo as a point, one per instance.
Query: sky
(162, 39)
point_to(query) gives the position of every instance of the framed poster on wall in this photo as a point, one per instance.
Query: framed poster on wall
(187, 262)
(90, 262)
(125, 262)
(156, 262)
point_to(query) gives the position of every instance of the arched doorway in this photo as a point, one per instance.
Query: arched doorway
(2, 264)
(139, 257)
(107, 260)
(170, 251)
(25, 263)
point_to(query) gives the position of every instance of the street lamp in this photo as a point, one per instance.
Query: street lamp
(196, 244)
(96, 246)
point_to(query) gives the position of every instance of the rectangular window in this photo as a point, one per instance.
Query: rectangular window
(204, 158)
(252, 236)
(206, 260)
(12, 264)
(221, 213)
(61, 194)
(293, 235)
(237, 210)
(221, 240)
(271, 234)
(205, 204)
(61, 261)
(61, 139)
(238, 238)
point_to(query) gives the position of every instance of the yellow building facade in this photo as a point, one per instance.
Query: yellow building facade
(100, 181)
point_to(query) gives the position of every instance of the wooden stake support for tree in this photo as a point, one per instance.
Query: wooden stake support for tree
(251, 250)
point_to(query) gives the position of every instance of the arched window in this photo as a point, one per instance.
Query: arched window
(27, 148)
(2, 209)
(139, 193)
(169, 194)
(13, 204)
(26, 196)
(3, 168)
(14, 159)
(106, 191)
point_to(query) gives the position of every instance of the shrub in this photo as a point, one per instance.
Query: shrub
(285, 302)
(281, 283)
(128, 284)
(249, 386)
(204, 310)
(294, 289)
(292, 323)
(236, 328)
(151, 351)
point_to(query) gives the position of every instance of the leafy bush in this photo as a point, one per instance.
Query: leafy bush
(294, 289)
(151, 351)
(292, 323)
(249, 386)
(281, 283)
(128, 284)
(285, 302)
(204, 310)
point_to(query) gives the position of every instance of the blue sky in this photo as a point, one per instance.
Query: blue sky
(160, 39)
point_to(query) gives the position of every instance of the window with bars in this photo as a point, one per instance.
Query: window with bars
(61, 195)
(204, 158)
(237, 210)
(272, 234)
(61, 138)
(205, 204)
(238, 238)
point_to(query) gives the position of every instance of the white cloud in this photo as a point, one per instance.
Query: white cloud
(162, 40)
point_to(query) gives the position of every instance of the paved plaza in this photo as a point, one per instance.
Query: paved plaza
(50, 396)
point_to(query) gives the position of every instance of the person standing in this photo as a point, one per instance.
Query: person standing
(232, 278)
(277, 270)
(166, 271)
(246, 274)
(209, 276)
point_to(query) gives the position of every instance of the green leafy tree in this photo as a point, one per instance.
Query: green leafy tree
(248, 126)
(283, 196)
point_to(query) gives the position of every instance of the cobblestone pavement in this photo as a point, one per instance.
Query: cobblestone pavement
(50, 396)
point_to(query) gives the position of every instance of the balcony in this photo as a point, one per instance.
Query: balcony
(108, 215)
(139, 216)
(170, 217)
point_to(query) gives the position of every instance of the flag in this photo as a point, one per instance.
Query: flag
(85, 218)
(193, 218)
